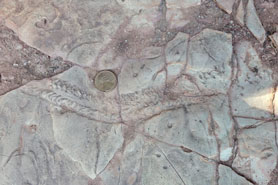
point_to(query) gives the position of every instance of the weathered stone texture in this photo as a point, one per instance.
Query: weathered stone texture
(195, 101)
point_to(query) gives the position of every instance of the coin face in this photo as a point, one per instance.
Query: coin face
(105, 80)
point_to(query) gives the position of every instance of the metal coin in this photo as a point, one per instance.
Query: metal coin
(105, 80)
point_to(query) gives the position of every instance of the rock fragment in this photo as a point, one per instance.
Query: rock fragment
(274, 39)
(253, 22)
(240, 13)
(226, 5)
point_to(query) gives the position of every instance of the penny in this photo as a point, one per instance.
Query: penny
(105, 80)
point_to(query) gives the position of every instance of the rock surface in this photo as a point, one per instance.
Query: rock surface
(195, 101)
(253, 22)
(227, 6)
(240, 13)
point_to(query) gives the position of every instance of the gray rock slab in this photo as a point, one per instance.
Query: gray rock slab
(195, 101)
(227, 6)
(229, 177)
(252, 86)
(253, 22)
(209, 60)
(257, 153)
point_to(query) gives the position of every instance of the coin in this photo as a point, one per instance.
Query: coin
(105, 80)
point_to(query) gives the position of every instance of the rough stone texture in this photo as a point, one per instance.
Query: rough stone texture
(20, 63)
(195, 102)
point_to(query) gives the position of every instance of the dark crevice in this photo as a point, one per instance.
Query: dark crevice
(238, 172)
